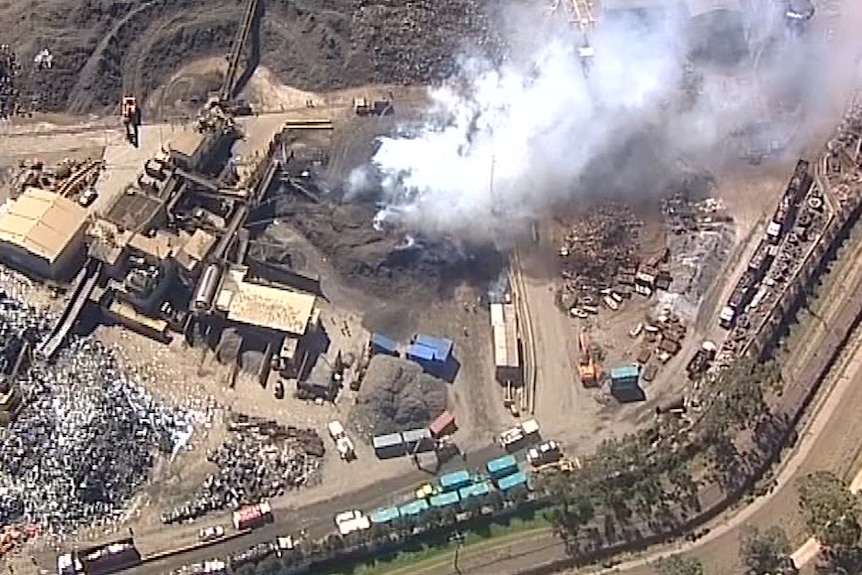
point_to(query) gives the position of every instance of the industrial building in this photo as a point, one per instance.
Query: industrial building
(507, 360)
(42, 233)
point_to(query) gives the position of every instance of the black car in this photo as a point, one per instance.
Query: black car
(799, 10)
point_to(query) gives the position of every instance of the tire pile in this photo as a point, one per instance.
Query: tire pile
(86, 437)
(262, 459)
(9, 68)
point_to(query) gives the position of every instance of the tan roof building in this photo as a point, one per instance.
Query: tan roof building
(278, 309)
(40, 231)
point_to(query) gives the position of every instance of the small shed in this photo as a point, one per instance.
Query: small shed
(387, 446)
(443, 425)
(382, 345)
(434, 354)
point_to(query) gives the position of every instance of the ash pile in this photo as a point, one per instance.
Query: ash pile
(86, 436)
(701, 237)
(596, 249)
(260, 460)
(397, 395)
(384, 263)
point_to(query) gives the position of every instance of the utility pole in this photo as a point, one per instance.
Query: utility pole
(458, 538)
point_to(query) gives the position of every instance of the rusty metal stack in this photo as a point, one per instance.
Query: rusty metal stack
(598, 247)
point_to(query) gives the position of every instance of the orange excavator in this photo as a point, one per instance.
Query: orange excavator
(587, 369)
(131, 118)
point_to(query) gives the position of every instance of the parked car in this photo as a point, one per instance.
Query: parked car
(211, 533)
(88, 197)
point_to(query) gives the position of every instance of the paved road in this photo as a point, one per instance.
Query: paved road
(317, 519)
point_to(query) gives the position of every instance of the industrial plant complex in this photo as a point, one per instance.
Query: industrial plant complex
(384, 320)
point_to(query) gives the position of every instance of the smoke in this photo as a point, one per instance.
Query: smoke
(507, 142)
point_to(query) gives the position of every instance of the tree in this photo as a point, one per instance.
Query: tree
(679, 565)
(831, 511)
(764, 551)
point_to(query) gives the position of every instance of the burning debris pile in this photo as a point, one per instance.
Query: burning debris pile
(597, 248)
(397, 395)
(85, 437)
(262, 459)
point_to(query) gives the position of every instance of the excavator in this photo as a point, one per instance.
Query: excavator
(131, 118)
(587, 369)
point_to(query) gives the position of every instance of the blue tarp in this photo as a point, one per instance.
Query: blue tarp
(454, 480)
(475, 490)
(382, 344)
(502, 466)
(442, 347)
(511, 481)
(384, 515)
(445, 499)
(413, 508)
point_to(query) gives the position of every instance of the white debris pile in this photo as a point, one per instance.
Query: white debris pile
(85, 438)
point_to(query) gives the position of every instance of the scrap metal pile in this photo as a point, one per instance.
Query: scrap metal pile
(262, 459)
(700, 240)
(595, 250)
(85, 438)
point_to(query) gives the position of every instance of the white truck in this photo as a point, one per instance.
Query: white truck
(350, 521)
(524, 431)
(342, 442)
(547, 452)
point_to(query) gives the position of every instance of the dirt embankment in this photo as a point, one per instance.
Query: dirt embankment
(102, 48)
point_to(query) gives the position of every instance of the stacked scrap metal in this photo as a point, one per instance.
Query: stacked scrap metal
(262, 459)
(85, 438)
(595, 250)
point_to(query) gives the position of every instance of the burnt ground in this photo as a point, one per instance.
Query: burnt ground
(102, 48)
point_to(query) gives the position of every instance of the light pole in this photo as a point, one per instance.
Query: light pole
(458, 538)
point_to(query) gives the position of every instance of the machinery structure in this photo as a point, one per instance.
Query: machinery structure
(131, 115)
(581, 12)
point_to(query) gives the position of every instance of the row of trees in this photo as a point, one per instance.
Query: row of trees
(650, 482)
(761, 552)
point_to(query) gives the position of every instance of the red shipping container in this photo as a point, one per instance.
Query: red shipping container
(443, 425)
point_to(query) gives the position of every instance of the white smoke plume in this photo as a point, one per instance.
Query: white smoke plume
(506, 143)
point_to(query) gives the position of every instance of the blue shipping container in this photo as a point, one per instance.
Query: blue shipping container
(413, 508)
(502, 466)
(511, 481)
(475, 490)
(455, 480)
(445, 499)
(384, 515)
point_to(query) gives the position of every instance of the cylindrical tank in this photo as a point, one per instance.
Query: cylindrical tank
(206, 290)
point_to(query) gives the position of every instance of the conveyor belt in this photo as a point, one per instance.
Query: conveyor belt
(229, 84)
(85, 281)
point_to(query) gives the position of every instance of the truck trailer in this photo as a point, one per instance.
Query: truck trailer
(252, 516)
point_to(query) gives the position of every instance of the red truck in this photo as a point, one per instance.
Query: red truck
(252, 516)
